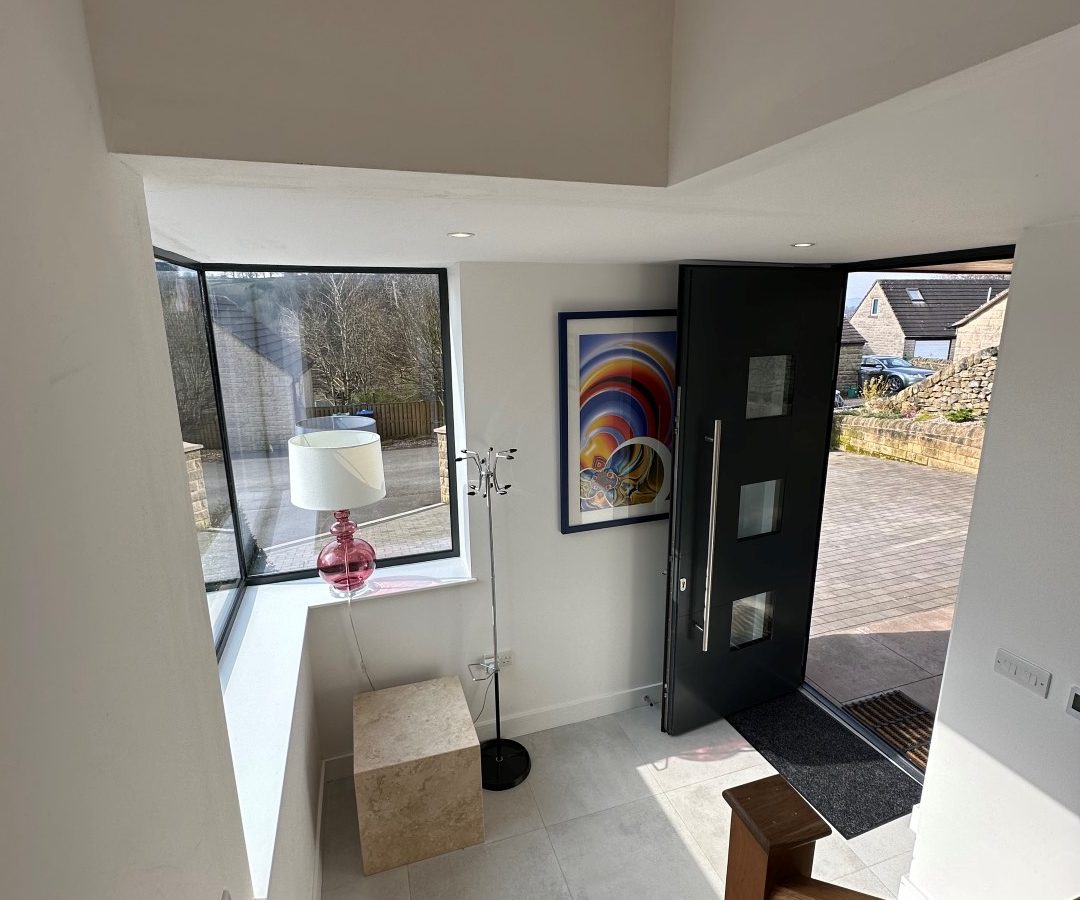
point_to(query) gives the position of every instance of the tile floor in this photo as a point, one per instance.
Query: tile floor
(613, 809)
(892, 543)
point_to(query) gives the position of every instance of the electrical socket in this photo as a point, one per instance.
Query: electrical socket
(506, 658)
(1025, 673)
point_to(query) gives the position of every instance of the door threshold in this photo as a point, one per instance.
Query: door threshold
(852, 724)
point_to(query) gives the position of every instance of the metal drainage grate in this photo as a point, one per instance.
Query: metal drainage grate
(899, 721)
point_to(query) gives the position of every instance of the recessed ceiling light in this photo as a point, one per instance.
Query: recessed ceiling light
(803, 244)
(461, 234)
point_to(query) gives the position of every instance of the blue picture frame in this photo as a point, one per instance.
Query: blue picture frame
(636, 349)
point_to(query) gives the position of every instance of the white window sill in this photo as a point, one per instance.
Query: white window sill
(259, 674)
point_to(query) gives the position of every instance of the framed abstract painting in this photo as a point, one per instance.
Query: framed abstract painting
(617, 407)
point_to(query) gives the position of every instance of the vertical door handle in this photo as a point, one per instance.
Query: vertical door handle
(712, 535)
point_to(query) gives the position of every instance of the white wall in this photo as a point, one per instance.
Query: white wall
(115, 779)
(1000, 814)
(747, 74)
(293, 870)
(583, 613)
(560, 89)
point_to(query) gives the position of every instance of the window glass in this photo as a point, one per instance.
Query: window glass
(309, 351)
(759, 508)
(874, 306)
(751, 620)
(189, 355)
(769, 385)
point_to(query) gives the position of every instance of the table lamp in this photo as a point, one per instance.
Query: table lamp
(339, 471)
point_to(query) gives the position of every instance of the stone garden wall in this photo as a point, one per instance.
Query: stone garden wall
(197, 485)
(444, 465)
(940, 445)
(847, 368)
(966, 383)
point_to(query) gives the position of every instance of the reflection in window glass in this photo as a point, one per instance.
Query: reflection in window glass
(751, 620)
(759, 508)
(185, 332)
(303, 351)
(768, 389)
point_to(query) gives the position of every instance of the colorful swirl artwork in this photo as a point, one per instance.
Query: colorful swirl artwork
(626, 393)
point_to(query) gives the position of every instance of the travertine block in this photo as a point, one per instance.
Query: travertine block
(416, 771)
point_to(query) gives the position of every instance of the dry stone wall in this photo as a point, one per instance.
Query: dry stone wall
(847, 369)
(940, 445)
(197, 485)
(964, 384)
(444, 465)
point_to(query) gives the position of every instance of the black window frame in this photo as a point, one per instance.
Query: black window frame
(245, 543)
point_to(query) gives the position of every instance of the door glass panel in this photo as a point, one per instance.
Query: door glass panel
(768, 389)
(751, 620)
(759, 508)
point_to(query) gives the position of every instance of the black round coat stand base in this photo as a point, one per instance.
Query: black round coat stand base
(503, 764)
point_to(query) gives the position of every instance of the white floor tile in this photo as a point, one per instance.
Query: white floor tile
(342, 871)
(885, 842)
(866, 881)
(507, 813)
(833, 858)
(521, 867)
(707, 815)
(392, 885)
(584, 768)
(688, 758)
(638, 850)
(890, 871)
(629, 812)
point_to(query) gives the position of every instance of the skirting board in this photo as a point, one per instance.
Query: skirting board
(535, 720)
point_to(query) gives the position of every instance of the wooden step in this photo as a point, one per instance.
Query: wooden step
(812, 889)
(771, 848)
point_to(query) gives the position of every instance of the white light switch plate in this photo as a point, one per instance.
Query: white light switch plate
(1024, 673)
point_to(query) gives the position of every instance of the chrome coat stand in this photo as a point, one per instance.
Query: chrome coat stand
(503, 763)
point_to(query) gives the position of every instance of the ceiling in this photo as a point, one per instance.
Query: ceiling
(967, 161)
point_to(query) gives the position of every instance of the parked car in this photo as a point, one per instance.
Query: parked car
(895, 372)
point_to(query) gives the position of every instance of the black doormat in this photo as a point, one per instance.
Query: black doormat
(842, 776)
(899, 721)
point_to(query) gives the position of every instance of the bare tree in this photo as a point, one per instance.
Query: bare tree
(369, 336)
(185, 332)
(331, 316)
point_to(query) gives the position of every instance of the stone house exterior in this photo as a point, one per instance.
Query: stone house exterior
(265, 383)
(981, 329)
(852, 348)
(917, 317)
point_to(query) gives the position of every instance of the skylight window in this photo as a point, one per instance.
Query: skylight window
(916, 296)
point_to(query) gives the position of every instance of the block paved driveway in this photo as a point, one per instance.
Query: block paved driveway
(892, 543)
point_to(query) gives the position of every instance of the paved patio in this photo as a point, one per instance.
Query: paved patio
(892, 543)
(409, 520)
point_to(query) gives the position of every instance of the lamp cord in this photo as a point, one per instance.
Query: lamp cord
(356, 637)
(483, 706)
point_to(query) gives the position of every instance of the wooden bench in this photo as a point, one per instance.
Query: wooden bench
(771, 848)
(416, 771)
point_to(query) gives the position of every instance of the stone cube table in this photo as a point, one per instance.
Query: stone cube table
(416, 771)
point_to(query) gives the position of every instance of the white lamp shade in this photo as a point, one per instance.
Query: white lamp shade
(336, 469)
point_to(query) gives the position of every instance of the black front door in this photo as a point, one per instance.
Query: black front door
(757, 367)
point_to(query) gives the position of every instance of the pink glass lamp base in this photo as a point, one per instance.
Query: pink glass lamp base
(346, 563)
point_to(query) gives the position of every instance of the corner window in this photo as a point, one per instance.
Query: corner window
(318, 351)
(202, 441)
(292, 351)
(874, 304)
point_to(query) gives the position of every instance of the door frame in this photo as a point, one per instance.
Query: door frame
(928, 262)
